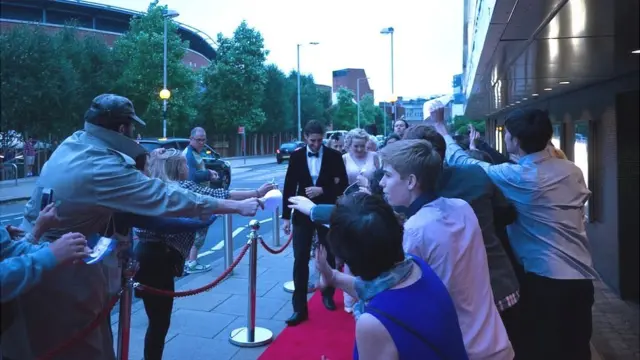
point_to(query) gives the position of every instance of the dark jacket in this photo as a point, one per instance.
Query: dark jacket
(332, 179)
(472, 184)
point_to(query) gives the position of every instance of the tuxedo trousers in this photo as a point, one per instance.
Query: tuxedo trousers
(302, 241)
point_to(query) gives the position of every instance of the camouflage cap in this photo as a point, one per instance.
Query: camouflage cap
(109, 109)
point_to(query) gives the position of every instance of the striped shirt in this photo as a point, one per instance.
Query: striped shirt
(184, 241)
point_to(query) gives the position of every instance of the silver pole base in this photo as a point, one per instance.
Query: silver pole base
(239, 337)
(289, 287)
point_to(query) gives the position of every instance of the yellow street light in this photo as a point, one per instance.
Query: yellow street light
(165, 94)
(393, 98)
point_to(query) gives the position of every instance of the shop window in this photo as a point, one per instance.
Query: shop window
(499, 139)
(581, 157)
(557, 133)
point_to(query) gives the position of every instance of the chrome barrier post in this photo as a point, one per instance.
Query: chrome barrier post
(124, 321)
(252, 336)
(227, 228)
(290, 286)
(276, 227)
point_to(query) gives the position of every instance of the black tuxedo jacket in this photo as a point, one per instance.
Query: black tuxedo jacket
(332, 179)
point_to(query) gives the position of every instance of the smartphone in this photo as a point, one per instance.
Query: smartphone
(46, 198)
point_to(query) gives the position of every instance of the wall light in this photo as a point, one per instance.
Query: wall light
(564, 82)
(548, 89)
(534, 94)
(636, 51)
(523, 99)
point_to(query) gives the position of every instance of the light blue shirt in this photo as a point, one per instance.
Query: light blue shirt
(549, 237)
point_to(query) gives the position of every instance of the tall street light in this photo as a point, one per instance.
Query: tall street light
(358, 95)
(165, 94)
(299, 102)
(390, 31)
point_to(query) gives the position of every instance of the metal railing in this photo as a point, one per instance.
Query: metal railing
(15, 172)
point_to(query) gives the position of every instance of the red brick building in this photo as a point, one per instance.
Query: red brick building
(348, 78)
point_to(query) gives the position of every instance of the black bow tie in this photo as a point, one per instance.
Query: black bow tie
(312, 154)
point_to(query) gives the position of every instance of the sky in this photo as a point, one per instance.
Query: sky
(427, 39)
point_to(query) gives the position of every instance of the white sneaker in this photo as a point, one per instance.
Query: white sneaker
(195, 268)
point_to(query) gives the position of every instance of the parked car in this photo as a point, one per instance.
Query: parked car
(285, 150)
(211, 158)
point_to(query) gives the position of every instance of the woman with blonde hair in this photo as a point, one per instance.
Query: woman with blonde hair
(360, 164)
(161, 256)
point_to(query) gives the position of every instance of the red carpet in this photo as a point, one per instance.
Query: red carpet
(327, 333)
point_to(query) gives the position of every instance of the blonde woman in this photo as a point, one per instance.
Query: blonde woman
(362, 163)
(162, 256)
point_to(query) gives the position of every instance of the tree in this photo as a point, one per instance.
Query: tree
(138, 55)
(312, 99)
(369, 112)
(234, 83)
(461, 125)
(276, 103)
(345, 111)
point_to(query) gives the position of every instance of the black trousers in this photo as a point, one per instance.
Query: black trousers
(302, 240)
(156, 270)
(512, 323)
(556, 318)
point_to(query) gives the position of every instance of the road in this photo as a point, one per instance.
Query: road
(242, 178)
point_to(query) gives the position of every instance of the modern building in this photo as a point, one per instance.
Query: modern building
(412, 109)
(109, 22)
(580, 61)
(349, 78)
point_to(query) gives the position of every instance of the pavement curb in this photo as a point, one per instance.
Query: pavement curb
(12, 200)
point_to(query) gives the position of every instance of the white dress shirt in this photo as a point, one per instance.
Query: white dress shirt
(314, 163)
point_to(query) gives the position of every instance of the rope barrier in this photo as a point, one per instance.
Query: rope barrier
(178, 294)
(276, 251)
(77, 337)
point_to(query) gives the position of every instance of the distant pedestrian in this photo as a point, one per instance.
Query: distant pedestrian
(29, 156)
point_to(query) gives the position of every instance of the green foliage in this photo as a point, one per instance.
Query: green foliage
(276, 104)
(235, 82)
(345, 111)
(139, 56)
(370, 113)
(460, 125)
(48, 81)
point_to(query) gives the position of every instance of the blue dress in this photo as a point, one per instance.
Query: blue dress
(427, 309)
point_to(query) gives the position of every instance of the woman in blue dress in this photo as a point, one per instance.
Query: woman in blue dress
(406, 311)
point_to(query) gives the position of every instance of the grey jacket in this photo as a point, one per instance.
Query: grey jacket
(93, 174)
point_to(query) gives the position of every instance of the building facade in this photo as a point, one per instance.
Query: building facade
(349, 78)
(108, 22)
(580, 61)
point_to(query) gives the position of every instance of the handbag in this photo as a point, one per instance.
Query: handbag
(408, 329)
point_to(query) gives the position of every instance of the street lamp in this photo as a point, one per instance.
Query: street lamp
(166, 94)
(390, 31)
(358, 95)
(299, 102)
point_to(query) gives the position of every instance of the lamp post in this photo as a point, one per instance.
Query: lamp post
(299, 101)
(167, 14)
(358, 95)
(390, 31)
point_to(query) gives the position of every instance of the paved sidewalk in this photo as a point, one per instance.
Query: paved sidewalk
(10, 192)
(201, 324)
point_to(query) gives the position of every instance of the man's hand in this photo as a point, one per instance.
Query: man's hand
(47, 219)
(313, 191)
(14, 232)
(249, 207)
(264, 189)
(214, 175)
(473, 136)
(301, 204)
(70, 247)
(322, 265)
(286, 226)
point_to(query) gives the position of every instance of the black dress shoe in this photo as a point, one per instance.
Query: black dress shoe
(297, 318)
(329, 303)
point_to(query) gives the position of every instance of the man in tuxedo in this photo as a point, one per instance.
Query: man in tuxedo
(318, 173)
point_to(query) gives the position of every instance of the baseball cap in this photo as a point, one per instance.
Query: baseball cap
(109, 109)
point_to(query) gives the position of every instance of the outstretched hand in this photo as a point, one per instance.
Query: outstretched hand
(301, 204)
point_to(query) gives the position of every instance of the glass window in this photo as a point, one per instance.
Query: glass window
(580, 151)
(555, 139)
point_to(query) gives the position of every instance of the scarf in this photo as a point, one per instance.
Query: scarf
(366, 290)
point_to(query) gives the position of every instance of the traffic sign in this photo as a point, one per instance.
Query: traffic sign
(240, 130)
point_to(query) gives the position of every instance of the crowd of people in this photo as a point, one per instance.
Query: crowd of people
(443, 247)
(452, 250)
